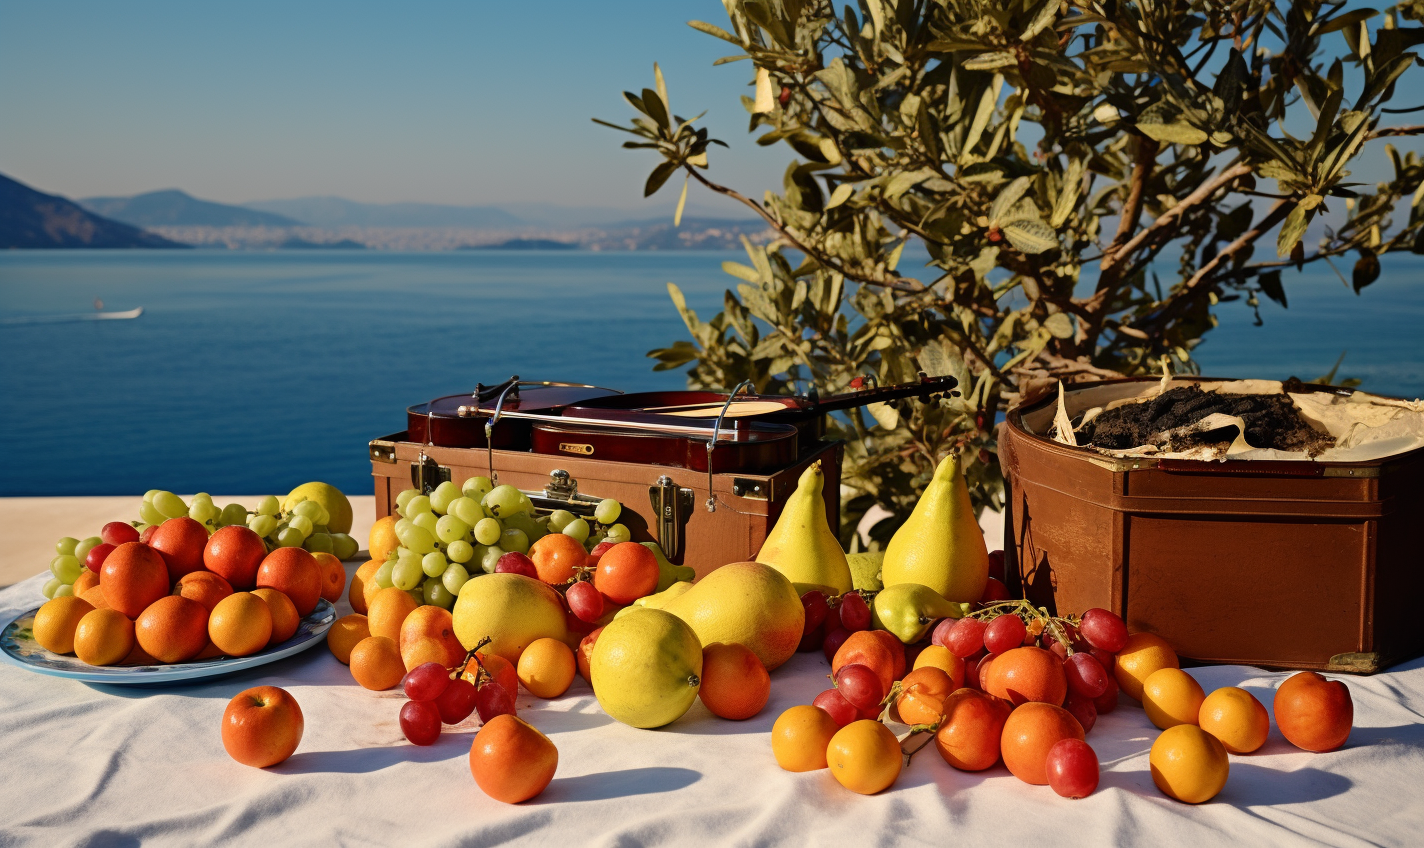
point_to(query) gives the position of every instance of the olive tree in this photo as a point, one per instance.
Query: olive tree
(1090, 180)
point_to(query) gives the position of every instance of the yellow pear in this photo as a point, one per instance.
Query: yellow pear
(802, 545)
(941, 545)
(646, 667)
(747, 603)
(510, 609)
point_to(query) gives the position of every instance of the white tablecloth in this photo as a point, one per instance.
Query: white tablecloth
(107, 765)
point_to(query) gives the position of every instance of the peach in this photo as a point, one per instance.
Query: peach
(333, 576)
(181, 541)
(428, 635)
(133, 576)
(973, 726)
(1313, 713)
(869, 650)
(234, 554)
(262, 726)
(294, 573)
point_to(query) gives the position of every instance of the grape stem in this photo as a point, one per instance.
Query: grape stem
(1031, 615)
(929, 730)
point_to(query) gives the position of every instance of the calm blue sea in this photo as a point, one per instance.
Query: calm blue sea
(254, 372)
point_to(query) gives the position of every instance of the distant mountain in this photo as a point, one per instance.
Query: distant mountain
(339, 212)
(525, 244)
(174, 208)
(32, 219)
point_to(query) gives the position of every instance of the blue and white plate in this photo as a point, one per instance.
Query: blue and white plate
(18, 646)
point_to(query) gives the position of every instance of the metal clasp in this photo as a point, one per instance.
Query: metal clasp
(561, 486)
(672, 505)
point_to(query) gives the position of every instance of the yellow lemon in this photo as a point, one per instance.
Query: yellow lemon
(1234, 716)
(1188, 764)
(1171, 697)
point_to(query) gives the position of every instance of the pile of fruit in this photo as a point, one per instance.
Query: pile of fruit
(188, 589)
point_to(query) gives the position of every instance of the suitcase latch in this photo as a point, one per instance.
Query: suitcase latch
(672, 505)
(561, 486)
(426, 474)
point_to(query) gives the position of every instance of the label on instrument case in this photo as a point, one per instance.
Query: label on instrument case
(570, 447)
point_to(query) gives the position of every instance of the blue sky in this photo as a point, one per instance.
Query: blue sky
(449, 102)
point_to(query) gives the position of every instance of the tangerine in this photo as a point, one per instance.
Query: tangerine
(970, 734)
(138, 656)
(133, 576)
(547, 667)
(428, 635)
(285, 620)
(1029, 731)
(1020, 675)
(104, 636)
(865, 757)
(383, 539)
(364, 576)
(56, 621)
(204, 587)
(1188, 764)
(344, 634)
(387, 611)
(735, 685)
(94, 595)
(626, 572)
(1143, 654)
(295, 573)
(240, 624)
(85, 581)
(556, 557)
(333, 575)
(376, 663)
(867, 649)
(800, 737)
(942, 658)
(173, 629)
(1171, 697)
(1235, 717)
(511, 760)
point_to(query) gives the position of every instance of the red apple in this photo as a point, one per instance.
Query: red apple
(262, 726)
(1313, 713)
(234, 554)
(118, 532)
(180, 541)
(94, 560)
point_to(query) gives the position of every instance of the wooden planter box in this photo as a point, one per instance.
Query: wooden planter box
(747, 504)
(1312, 565)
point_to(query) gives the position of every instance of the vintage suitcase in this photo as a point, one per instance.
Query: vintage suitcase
(661, 504)
(1281, 564)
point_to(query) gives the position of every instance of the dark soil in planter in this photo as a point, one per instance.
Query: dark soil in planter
(1272, 421)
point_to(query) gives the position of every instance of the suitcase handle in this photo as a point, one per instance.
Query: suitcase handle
(1283, 468)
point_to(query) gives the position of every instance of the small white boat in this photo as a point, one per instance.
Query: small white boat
(78, 316)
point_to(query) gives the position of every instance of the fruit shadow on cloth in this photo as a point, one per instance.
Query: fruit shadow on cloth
(606, 785)
(366, 760)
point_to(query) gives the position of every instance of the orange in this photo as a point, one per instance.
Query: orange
(800, 736)
(296, 574)
(133, 576)
(241, 624)
(864, 756)
(546, 668)
(138, 656)
(204, 587)
(1029, 732)
(94, 595)
(382, 539)
(387, 611)
(103, 637)
(511, 760)
(173, 629)
(735, 684)
(333, 575)
(922, 695)
(1143, 654)
(1020, 675)
(364, 575)
(1235, 717)
(556, 556)
(942, 658)
(1188, 764)
(344, 634)
(972, 730)
(85, 581)
(209, 652)
(1171, 697)
(55, 623)
(428, 635)
(376, 663)
(285, 620)
(626, 572)
(865, 648)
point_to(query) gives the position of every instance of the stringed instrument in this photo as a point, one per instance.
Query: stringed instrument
(441, 422)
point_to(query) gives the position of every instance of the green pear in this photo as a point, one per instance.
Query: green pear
(802, 545)
(668, 573)
(940, 545)
(865, 570)
(908, 610)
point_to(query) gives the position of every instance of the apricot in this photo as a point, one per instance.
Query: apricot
(969, 737)
(1025, 674)
(1313, 713)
